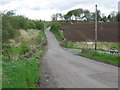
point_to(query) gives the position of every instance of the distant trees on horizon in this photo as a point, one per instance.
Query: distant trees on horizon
(90, 16)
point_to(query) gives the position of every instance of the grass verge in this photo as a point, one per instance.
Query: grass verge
(55, 28)
(102, 46)
(71, 47)
(23, 73)
(105, 58)
(59, 35)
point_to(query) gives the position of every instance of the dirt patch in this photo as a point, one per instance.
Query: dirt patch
(85, 31)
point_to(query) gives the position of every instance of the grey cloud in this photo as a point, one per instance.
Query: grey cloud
(3, 2)
(64, 5)
(36, 8)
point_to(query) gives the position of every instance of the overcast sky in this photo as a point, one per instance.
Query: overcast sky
(43, 9)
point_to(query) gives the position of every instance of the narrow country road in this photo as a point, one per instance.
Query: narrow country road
(62, 69)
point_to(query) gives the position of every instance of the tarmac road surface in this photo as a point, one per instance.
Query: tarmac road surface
(62, 69)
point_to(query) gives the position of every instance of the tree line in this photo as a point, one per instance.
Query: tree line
(12, 23)
(90, 16)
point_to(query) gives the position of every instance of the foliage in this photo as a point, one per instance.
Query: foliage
(71, 47)
(47, 24)
(86, 14)
(118, 17)
(23, 48)
(7, 28)
(39, 25)
(55, 28)
(19, 37)
(20, 74)
(7, 31)
(56, 16)
(18, 70)
(59, 36)
(11, 51)
(90, 16)
(103, 57)
(102, 46)
(12, 23)
(76, 13)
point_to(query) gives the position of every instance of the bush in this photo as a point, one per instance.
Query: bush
(12, 23)
(118, 17)
(23, 48)
(55, 27)
(8, 32)
(39, 25)
(32, 25)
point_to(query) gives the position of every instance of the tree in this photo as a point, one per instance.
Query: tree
(56, 16)
(104, 19)
(76, 13)
(109, 17)
(86, 14)
(80, 12)
(98, 15)
(66, 17)
(118, 17)
(69, 14)
(61, 16)
(53, 17)
(113, 16)
(8, 32)
(92, 16)
(12, 23)
(31, 24)
(39, 25)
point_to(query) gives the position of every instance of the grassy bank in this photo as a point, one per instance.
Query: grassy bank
(105, 58)
(18, 71)
(66, 46)
(55, 28)
(101, 57)
(59, 35)
(22, 73)
(103, 46)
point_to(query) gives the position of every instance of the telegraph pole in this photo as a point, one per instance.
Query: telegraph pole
(95, 27)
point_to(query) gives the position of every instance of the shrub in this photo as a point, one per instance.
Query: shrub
(39, 25)
(12, 23)
(32, 25)
(8, 32)
(55, 27)
(23, 48)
